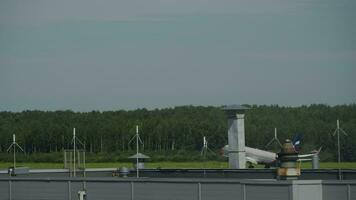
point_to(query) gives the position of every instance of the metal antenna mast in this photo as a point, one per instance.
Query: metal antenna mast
(74, 151)
(337, 131)
(14, 145)
(205, 147)
(138, 139)
(274, 139)
(74, 140)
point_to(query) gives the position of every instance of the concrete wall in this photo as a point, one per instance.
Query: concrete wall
(174, 189)
(333, 190)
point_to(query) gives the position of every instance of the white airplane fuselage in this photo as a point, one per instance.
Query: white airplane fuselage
(258, 156)
(255, 156)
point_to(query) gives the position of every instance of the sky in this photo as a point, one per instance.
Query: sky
(129, 54)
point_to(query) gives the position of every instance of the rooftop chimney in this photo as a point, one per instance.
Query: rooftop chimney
(236, 136)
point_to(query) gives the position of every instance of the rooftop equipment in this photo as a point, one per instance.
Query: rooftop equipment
(75, 158)
(205, 148)
(288, 157)
(139, 160)
(18, 171)
(138, 156)
(13, 147)
(337, 132)
(315, 161)
(274, 139)
(124, 172)
(236, 136)
(82, 195)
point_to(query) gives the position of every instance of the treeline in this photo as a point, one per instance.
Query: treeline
(172, 131)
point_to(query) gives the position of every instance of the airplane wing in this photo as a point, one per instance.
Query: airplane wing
(304, 159)
(314, 152)
(306, 155)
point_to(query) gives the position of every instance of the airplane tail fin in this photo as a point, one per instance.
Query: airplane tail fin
(297, 141)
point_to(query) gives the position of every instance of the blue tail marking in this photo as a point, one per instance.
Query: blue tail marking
(297, 141)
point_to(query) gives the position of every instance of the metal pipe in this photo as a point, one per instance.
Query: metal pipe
(315, 161)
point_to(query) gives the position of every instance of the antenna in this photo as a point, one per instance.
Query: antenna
(14, 145)
(138, 139)
(274, 139)
(74, 140)
(337, 132)
(74, 151)
(205, 147)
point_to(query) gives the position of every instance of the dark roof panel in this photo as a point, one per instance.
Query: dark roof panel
(235, 107)
(139, 155)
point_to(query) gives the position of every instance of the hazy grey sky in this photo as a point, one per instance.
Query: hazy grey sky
(108, 55)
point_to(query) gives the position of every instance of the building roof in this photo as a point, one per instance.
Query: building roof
(139, 155)
(234, 107)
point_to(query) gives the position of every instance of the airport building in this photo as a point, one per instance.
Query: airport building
(237, 183)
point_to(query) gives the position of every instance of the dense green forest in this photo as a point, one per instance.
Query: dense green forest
(171, 132)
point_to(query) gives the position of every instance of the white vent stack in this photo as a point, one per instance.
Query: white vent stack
(236, 136)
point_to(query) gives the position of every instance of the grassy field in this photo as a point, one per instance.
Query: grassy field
(168, 165)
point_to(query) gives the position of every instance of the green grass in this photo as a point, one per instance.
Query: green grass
(168, 165)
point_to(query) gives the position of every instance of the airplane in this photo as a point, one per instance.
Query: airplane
(267, 158)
